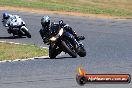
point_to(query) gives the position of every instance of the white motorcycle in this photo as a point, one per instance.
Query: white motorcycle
(17, 27)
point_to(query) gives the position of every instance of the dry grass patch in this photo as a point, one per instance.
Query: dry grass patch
(15, 51)
(121, 8)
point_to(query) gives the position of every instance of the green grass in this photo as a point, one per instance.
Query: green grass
(107, 7)
(14, 51)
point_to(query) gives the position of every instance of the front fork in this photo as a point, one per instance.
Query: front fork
(54, 49)
(51, 48)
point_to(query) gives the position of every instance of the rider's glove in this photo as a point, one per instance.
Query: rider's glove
(45, 40)
(6, 25)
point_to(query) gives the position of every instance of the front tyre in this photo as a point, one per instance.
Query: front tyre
(52, 51)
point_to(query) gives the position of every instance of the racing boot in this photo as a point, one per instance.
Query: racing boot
(80, 38)
(9, 31)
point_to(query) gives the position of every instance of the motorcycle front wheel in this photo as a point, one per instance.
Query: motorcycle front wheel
(52, 51)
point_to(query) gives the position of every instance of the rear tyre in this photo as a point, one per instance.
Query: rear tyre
(81, 52)
(20, 36)
(26, 33)
(69, 50)
(29, 36)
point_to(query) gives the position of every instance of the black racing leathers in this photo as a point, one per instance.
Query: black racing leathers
(45, 33)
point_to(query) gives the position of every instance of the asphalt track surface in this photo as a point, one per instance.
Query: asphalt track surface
(109, 50)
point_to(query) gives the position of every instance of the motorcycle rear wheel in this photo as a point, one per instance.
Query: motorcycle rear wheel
(81, 52)
(26, 33)
(69, 50)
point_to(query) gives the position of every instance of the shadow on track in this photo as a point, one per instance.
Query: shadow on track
(11, 37)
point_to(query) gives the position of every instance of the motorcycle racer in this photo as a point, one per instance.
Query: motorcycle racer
(15, 25)
(5, 18)
(8, 19)
(47, 28)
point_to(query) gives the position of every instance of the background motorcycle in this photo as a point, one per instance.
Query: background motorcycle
(17, 27)
(60, 39)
